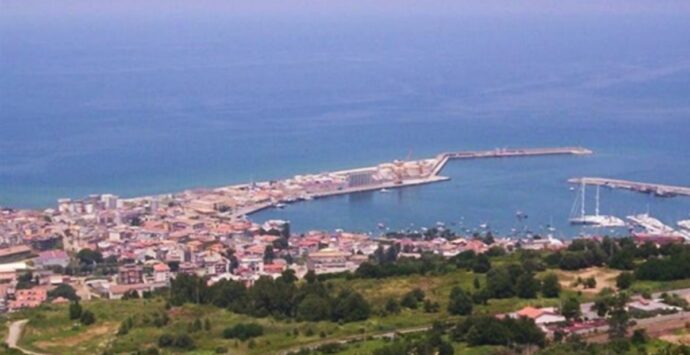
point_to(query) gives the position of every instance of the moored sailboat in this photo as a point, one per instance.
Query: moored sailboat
(597, 220)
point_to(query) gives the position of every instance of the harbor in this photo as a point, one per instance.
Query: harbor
(242, 200)
(396, 174)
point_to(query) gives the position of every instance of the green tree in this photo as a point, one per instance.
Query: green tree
(87, 318)
(619, 319)
(527, 286)
(460, 302)
(75, 310)
(499, 283)
(590, 282)
(482, 264)
(445, 348)
(350, 306)
(310, 277)
(392, 306)
(243, 331)
(571, 308)
(431, 307)
(314, 308)
(550, 287)
(639, 337)
(64, 291)
(89, 257)
(184, 341)
(409, 301)
(166, 340)
(624, 280)
(269, 254)
(288, 276)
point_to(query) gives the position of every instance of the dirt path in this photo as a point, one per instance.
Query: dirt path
(343, 340)
(15, 333)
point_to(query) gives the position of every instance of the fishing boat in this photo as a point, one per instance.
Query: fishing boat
(597, 220)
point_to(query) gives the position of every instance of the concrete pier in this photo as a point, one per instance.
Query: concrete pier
(443, 158)
(656, 189)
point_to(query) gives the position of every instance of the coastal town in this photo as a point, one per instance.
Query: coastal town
(107, 247)
(145, 243)
(206, 232)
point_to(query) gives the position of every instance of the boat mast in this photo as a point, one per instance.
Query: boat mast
(597, 207)
(582, 205)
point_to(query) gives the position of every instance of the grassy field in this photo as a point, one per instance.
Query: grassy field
(49, 329)
(368, 346)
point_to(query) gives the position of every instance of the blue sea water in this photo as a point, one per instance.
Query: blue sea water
(101, 98)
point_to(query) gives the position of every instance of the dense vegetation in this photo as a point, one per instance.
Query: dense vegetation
(279, 298)
(464, 290)
(489, 330)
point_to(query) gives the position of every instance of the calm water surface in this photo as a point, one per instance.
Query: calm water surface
(159, 100)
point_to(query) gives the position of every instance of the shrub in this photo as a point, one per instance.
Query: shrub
(243, 331)
(166, 340)
(550, 287)
(624, 280)
(392, 306)
(74, 310)
(184, 341)
(460, 302)
(87, 318)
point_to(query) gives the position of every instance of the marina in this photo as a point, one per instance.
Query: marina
(597, 220)
(654, 227)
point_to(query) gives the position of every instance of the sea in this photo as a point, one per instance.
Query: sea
(141, 98)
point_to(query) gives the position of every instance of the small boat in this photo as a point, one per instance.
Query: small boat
(280, 205)
(381, 226)
(384, 190)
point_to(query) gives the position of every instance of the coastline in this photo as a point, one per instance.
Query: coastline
(391, 175)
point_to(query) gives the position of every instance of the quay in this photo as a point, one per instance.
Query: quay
(443, 158)
(400, 174)
(242, 200)
(655, 189)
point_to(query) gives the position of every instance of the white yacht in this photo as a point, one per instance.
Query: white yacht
(596, 219)
(684, 224)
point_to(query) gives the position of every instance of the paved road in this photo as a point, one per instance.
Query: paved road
(15, 333)
(644, 323)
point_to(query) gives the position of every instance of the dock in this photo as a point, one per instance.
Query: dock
(443, 158)
(643, 187)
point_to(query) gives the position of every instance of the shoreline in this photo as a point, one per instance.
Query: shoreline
(241, 200)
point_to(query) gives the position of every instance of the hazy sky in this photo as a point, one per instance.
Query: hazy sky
(14, 10)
